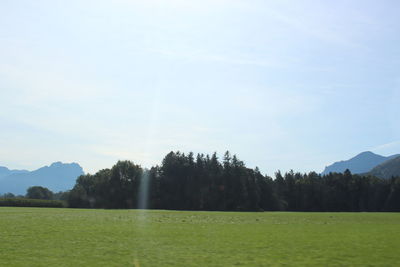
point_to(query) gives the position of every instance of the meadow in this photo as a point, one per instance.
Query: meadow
(78, 237)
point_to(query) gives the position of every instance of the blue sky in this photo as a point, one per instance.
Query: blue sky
(283, 84)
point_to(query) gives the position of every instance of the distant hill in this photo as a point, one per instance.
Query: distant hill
(57, 177)
(387, 169)
(362, 163)
(5, 171)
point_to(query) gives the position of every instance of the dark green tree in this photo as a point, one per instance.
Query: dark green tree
(39, 192)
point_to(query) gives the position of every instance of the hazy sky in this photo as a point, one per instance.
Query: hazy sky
(283, 84)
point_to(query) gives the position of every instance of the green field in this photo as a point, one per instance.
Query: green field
(72, 237)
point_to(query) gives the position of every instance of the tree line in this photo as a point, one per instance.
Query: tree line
(38, 192)
(203, 182)
(36, 196)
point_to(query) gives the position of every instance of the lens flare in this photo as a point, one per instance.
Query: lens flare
(143, 190)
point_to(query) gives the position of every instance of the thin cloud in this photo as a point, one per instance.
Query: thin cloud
(390, 145)
(197, 55)
(317, 27)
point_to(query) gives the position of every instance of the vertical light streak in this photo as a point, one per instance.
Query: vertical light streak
(143, 194)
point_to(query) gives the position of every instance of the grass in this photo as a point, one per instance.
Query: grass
(73, 237)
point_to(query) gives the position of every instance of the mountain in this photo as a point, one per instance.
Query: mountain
(387, 169)
(56, 177)
(362, 163)
(5, 171)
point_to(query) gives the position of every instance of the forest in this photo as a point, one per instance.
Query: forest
(203, 182)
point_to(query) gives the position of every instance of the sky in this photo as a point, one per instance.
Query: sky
(282, 84)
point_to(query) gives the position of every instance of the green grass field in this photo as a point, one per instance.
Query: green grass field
(72, 237)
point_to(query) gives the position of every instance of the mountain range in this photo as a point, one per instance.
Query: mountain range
(387, 169)
(364, 163)
(56, 177)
